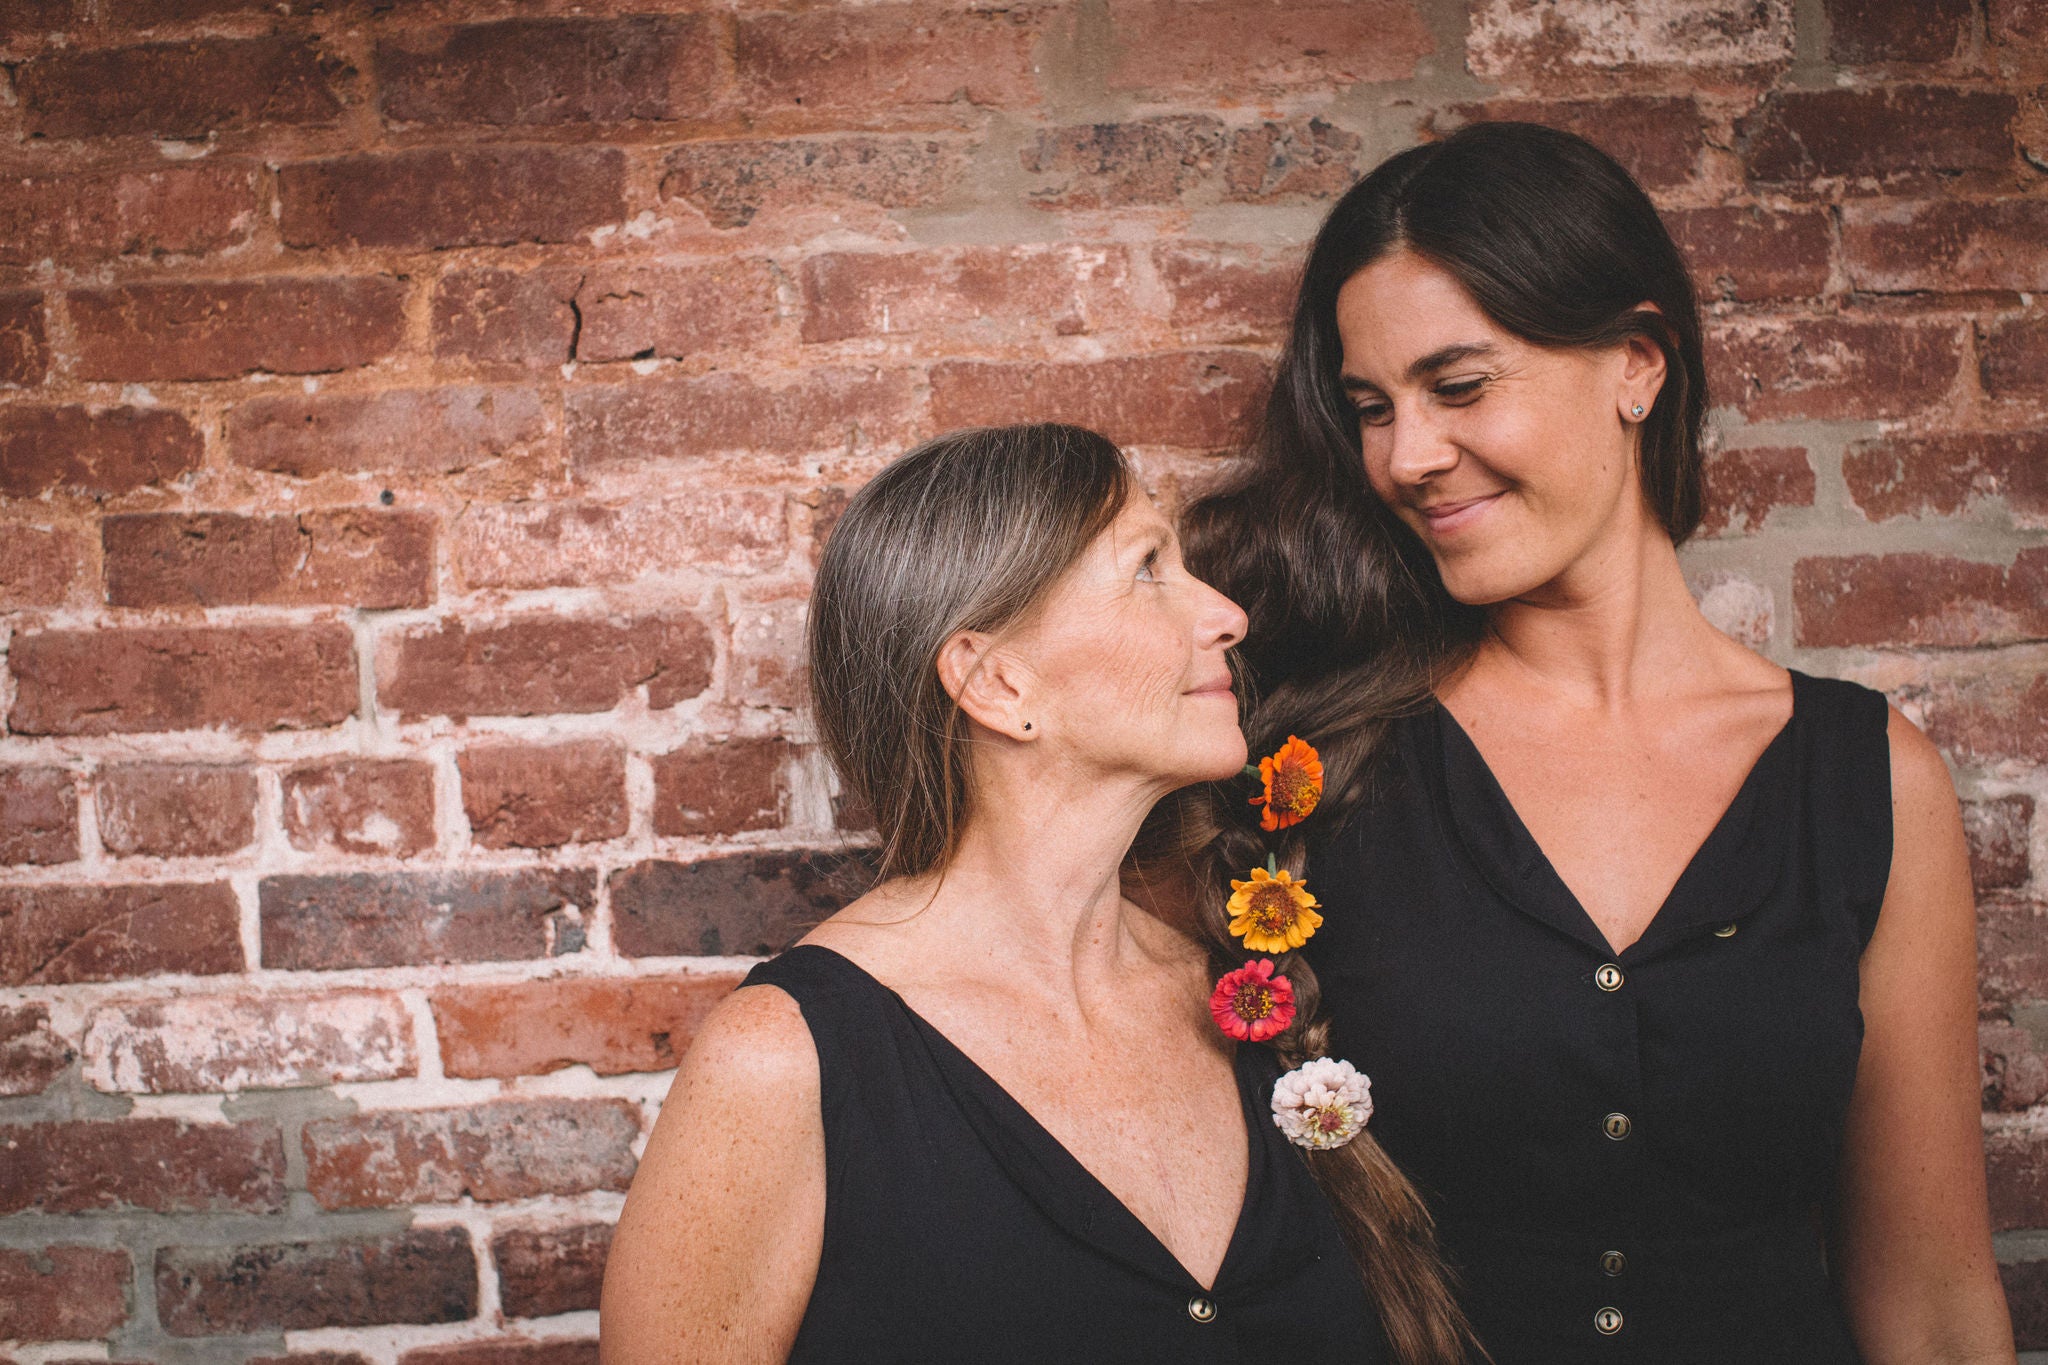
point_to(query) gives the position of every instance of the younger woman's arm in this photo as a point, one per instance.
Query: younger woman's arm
(717, 1249)
(1914, 1247)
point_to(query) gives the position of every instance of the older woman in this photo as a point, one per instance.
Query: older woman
(984, 1113)
(1660, 955)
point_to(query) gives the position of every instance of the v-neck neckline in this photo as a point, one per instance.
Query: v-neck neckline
(1533, 883)
(1049, 1150)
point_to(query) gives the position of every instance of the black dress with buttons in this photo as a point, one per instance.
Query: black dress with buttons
(958, 1229)
(1629, 1154)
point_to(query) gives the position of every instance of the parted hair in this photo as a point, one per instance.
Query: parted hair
(970, 532)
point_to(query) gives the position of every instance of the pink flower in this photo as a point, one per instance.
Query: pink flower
(1322, 1103)
(1253, 1004)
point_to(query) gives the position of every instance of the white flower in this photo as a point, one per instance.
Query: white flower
(1322, 1103)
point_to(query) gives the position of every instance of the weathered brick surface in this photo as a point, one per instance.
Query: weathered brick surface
(164, 1165)
(1258, 47)
(1658, 139)
(2016, 1163)
(511, 1351)
(424, 1275)
(543, 664)
(2012, 952)
(24, 340)
(1877, 31)
(1748, 254)
(828, 409)
(96, 682)
(1999, 830)
(175, 810)
(55, 935)
(154, 212)
(62, 1293)
(362, 806)
(1935, 245)
(545, 1271)
(852, 62)
(391, 919)
(1227, 295)
(533, 796)
(41, 566)
(182, 90)
(965, 294)
(31, 1053)
(674, 310)
(1744, 486)
(1203, 400)
(722, 788)
(420, 431)
(2026, 1297)
(2015, 1074)
(1920, 599)
(1832, 368)
(1158, 161)
(1883, 133)
(730, 182)
(546, 72)
(434, 198)
(749, 903)
(506, 317)
(38, 815)
(610, 1025)
(570, 544)
(1947, 475)
(92, 450)
(222, 329)
(2012, 358)
(1997, 717)
(1512, 42)
(221, 1043)
(352, 557)
(512, 1149)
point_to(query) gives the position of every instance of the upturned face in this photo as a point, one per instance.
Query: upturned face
(1513, 463)
(1126, 660)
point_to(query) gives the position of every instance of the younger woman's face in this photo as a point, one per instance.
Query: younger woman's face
(1126, 658)
(1513, 463)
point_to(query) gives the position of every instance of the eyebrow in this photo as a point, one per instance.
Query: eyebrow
(1438, 359)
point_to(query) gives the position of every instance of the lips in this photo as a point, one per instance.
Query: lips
(1220, 688)
(1443, 518)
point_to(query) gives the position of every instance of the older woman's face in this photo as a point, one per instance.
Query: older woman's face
(1513, 463)
(1126, 658)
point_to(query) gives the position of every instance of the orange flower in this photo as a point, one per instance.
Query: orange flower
(1293, 781)
(1272, 912)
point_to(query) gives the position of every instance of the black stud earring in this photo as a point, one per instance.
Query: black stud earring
(1027, 725)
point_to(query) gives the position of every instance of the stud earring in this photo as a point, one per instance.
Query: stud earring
(1027, 725)
(1637, 409)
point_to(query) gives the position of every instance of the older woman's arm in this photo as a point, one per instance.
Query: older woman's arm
(718, 1246)
(1914, 1244)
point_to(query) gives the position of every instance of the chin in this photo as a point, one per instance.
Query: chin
(1480, 581)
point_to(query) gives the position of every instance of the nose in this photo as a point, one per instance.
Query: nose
(1222, 622)
(1418, 449)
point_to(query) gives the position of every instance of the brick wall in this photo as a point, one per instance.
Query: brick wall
(418, 423)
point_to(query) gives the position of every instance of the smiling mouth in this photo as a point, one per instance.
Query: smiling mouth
(1445, 517)
(1215, 689)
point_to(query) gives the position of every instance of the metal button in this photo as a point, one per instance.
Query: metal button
(1607, 1321)
(1614, 1262)
(1616, 1126)
(1201, 1309)
(1608, 978)
(1725, 931)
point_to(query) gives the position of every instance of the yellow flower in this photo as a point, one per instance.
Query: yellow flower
(1293, 780)
(1272, 911)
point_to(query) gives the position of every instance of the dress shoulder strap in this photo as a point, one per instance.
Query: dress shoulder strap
(1847, 762)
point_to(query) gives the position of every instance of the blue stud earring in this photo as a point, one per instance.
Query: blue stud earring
(1637, 409)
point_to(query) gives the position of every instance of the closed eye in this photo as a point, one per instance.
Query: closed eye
(1148, 570)
(1456, 391)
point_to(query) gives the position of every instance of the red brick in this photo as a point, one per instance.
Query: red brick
(103, 452)
(38, 816)
(2014, 1073)
(172, 211)
(360, 805)
(40, 566)
(2026, 1297)
(250, 678)
(862, 60)
(1743, 487)
(398, 919)
(505, 317)
(743, 904)
(1883, 132)
(2012, 358)
(1920, 599)
(818, 410)
(171, 810)
(531, 796)
(182, 90)
(348, 557)
(1280, 162)
(568, 544)
(471, 196)
(129, 15)
(723, 788)
(1199, 399)
(674, 311)
(1948, 245)
(545, 1271)
(421, 1275)
(1855, 369)
(1746, 253)
(311, 1358)
(611, 1025)
(546, 72)
(2016, 1166)
(205, 1043)
(424, 431)
(730, 182)
(63, 1293)
(24, 345)
(59, 935)
(543, 664)
(2000, 830)
(162, 1165)
(31, 18)
(509, 1149)
(511, 1351)
(1226, 294)
(1993, 716)
(1118, 165)
(224, 329)
(967, 294)
(1514, 41)
(2012, 951)
(1657, 139)
(2019, 23)
(1238, 49)
(31, 1053)
(1897, 476)
(766, 660)
(1885, 31)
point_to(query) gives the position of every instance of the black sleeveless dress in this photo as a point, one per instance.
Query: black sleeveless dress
(958, 1229)
(1629, 1154)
